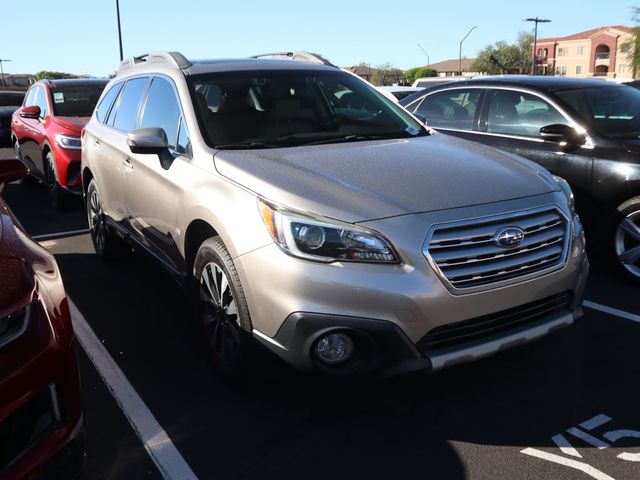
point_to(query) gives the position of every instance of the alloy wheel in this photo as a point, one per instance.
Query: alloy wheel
(220, 315)
(627, 243)
(96, 220)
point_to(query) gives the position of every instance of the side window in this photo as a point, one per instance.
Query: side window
(522, 114)
(28, 100)
(41, 101)
(161, 110)
(105, 104)
(453, 109)
(127, 115)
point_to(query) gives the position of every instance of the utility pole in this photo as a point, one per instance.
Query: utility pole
(119, 31)
(460, 53)
(425, 52)
(2, 71)
(535, 40)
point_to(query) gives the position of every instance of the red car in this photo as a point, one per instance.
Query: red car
(40, 409)
(45, 132)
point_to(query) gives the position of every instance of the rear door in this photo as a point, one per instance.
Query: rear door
(152, 192)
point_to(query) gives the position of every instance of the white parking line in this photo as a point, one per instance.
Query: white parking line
(155, 440)
(612, 311)
(52, 236)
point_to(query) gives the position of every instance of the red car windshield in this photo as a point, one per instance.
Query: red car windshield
(75, 100)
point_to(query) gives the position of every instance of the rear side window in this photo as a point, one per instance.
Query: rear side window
(161, 110)
(453, 109)
(127, 115)
(106, 102)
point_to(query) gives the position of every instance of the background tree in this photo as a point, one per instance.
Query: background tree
(632, 47)
(41, 75)
(387, 74)
(514, 58)
(420, 72)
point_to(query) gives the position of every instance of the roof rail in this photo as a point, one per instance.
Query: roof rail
(174, 58)
(297, 57)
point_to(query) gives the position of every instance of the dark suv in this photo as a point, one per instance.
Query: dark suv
(583, 130)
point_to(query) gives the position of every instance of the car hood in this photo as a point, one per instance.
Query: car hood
(75, 124)
(361, 181)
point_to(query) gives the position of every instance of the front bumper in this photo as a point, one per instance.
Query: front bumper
(390, 309)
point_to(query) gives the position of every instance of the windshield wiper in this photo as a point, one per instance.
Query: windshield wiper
(352, 138)
(247, 146)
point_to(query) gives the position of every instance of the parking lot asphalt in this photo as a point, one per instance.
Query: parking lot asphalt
(562, 407)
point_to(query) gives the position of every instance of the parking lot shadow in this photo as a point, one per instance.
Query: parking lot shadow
(300, 426)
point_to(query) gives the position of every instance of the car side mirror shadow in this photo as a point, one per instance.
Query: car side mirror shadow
(562, 134)
(32, 111)
(151, 141)
(420, 117)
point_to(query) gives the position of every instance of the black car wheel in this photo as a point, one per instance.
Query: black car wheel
(222, 310)
(60, 198)
(105, 242)
(626, 237)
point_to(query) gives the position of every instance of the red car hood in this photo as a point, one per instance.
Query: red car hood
(72, 123)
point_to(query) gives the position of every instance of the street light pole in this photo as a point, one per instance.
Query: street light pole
(460, 53)
(2, 71)
(425, 52)
(535, 40)
(119, 31)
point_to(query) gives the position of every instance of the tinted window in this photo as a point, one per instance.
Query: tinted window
(11, 99)
(127, 114)
(451, 108)
(522, 114)
(613, 110)
(74, 100)
(40, 100)
(161, 110)
(107, 101)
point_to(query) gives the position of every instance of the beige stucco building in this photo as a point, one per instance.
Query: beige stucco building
(600, 52)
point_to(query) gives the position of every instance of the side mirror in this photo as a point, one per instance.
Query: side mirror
(147, 141)
(30, 112)
(12, 169)
(559, 133)
(420, 117)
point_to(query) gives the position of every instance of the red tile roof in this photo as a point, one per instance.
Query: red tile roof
(584, 35)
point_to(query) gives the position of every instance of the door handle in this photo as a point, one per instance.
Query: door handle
(96, 145)
(128, 166)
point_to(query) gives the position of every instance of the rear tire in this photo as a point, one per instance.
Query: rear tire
(625, 238)
(105, 242)
(221, 308)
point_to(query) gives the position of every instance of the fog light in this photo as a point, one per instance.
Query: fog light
(334, 348)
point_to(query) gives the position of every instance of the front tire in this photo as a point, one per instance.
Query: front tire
(222, 310)
(626, 238)
(105, 243)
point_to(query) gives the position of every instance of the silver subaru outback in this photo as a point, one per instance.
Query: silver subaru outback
(310, 213)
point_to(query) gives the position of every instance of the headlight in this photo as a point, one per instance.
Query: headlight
(69, 142)
(324, 240)
(566, 189)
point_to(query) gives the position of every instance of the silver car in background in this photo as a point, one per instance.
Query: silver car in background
(308, 212)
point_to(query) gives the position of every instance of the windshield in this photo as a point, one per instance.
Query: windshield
(286, 108)
(613, 110)
(75, 100)
(11, 99)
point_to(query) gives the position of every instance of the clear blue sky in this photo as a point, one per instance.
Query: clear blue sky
(80, 36)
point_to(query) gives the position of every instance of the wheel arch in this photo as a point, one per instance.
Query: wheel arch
(195, 235)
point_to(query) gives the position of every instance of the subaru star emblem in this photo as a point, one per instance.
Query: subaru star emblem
(509, 237)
